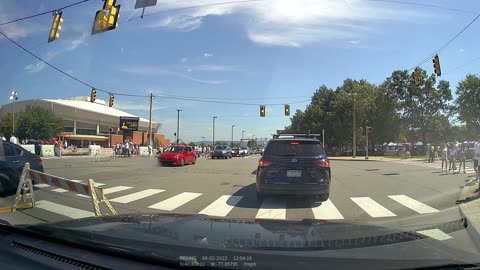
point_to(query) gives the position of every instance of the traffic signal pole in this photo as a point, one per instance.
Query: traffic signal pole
(366, 145)
(150, 121)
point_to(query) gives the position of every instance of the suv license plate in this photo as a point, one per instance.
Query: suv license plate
(294, 173)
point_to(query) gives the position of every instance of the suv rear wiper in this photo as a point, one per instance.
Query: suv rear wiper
(288, 155)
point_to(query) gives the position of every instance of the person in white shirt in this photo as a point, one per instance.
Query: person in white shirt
(476, 158)
(13, 139)
(3, 138)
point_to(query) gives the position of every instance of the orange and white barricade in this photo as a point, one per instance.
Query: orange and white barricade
(25, 189)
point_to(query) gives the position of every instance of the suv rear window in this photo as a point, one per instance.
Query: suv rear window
(294, 148)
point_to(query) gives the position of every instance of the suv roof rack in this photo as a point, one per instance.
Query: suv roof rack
(296, 134)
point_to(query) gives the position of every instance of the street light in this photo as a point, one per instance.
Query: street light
(178, 123)
(232, 135)
(243, 131)
(213, 140)
(13, 97)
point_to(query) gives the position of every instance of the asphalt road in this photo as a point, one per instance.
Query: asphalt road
(365, 192)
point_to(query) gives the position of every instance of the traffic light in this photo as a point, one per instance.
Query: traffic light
(262, 111)
(110, 102)
(416, 75)
(436, 65)
(369, 129)
(56, 27)
(93, 95)
(111, 130)
(107, 18)
(287, 110)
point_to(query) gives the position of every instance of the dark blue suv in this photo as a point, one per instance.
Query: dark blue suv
(294, 164)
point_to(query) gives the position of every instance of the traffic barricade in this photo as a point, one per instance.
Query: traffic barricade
(25, 189)
(47, 151)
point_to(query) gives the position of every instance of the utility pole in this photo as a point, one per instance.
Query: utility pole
(323, 138)
(243, 131)
(13, 98)
(203, 140)
(213, 139)
(178, 124)
(354, 127)
(232, 135)
(150, 122)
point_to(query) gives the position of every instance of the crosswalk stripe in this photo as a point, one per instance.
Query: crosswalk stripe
(415, 205)
(41, 185)
(435, 234)
(175, 201)
(81, 181)
(63, 210)
(326, 210)
(60, 190)
(272, 209)
(115, 189)
(372, 208)
(222, 206)
(137, 195)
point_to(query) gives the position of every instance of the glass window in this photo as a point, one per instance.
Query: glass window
(11, 150)
(294, 148)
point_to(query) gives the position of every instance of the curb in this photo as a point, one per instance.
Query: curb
(470, 209)
(353, 159)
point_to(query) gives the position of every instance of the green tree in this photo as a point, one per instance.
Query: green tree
(252, 143)
(468, 101)
(6, 125)
(419, 106)
(38, 123)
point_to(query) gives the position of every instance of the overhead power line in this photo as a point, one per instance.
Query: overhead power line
(426, 5)
(43, 13)
(446, 43)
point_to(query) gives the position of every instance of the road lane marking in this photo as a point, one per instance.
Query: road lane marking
(60, 190)
(372, 208)
(137, 195)
(41, 185)
(175, 201)
(272, 208)
(115, 189)
(415, 205)
(435, 234)
(63, 210)
(222, 206)
(326, 210)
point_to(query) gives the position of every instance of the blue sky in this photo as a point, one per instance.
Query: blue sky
(270, 52)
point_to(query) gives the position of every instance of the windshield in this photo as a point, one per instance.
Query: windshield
(353, 112)
(176, 149)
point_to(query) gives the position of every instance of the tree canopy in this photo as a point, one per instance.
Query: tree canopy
(38, 123)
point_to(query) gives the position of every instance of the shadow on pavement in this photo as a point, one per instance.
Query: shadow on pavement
(250, 200)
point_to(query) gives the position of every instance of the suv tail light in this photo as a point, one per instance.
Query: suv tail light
(323, 163)
(264, 163)
(39, 161)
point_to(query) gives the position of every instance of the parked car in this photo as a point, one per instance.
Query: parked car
(245, 151)
(294, 166)
(235, 152)
(222, 151)
(12, 160)
(178, 155)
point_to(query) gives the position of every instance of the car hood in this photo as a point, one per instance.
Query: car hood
(167, 236)
(170, 154)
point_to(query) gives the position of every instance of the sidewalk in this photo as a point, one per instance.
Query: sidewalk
(470, 209)
(374, 158)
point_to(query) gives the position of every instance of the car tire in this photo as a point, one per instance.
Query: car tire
(194, 161)
(182, 162)
(323, 197)
(260, 196)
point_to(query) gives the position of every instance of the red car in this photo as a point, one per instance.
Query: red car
(178, 155)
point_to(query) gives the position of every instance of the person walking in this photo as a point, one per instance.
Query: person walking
(452, 153)
(13, 139)
(430, 153)
(444, 157)
(462, 157)
(476, 159)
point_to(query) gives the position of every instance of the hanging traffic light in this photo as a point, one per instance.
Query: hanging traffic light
(262, 111)
(110, 102)
(93, 95)
(416, 75)
(436, 65)
(287, 110)
(107, 18)
(56, 27)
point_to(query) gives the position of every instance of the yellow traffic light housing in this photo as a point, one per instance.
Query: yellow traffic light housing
(56, 27)
(416, 75)
(436, 65)
(111, 101)
(107, 18)
(262, 111)
(93, 95)
(287, 110)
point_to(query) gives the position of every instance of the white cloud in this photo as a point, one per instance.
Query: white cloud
(76, 42)
(213, 68)
(354, 42)
(206, 55)
(291, 23)
(122, 50)
(152, 70)
(461, 50)
(136, 106)
(39, 66)
(189, 70)
(184, 59)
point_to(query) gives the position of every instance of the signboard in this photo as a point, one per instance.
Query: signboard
(129, 123)
(145, 3)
